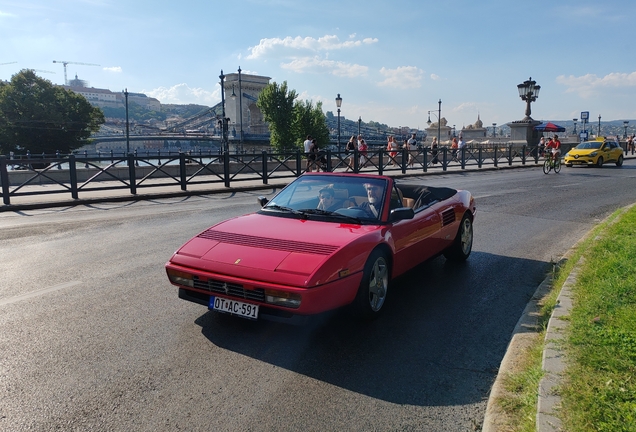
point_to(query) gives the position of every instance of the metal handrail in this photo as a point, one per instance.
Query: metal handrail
(78, 173)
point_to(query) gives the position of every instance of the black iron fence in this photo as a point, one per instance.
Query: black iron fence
(78, 174)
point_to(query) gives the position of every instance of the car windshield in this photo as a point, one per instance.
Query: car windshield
(589, 145)
(330, 197)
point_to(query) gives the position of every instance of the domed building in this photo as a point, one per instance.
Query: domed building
(474, 131)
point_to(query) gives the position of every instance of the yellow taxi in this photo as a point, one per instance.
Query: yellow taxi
(595, 153)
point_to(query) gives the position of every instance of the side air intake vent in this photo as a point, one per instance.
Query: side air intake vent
(448, 217)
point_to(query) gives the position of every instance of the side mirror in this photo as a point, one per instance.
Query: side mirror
(401, 213)
(262, 200)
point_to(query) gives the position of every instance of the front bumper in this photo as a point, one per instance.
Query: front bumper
(314, 300)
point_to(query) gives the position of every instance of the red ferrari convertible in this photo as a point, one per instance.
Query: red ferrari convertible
(326, 240)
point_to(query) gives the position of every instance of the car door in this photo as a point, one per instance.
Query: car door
(415, 240)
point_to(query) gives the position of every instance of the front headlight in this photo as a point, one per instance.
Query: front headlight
(593, 154)
(282, 298)
(180, 278)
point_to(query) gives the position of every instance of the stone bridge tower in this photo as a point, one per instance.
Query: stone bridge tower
(245, 97)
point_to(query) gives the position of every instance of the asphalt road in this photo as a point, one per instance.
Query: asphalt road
(93, 337)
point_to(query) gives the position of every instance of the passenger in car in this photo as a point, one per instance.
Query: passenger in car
(328, 200)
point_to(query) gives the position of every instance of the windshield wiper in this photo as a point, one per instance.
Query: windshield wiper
(331, 214)
(281, 208)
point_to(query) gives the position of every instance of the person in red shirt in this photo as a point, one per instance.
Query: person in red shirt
(555, 147)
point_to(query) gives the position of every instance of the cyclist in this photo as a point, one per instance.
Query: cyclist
(555, 146)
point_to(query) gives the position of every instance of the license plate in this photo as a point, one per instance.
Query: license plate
(234, 307)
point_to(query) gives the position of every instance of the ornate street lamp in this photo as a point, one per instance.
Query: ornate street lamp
(240, 109)
(127, 124)
(574, 131)
(494, 129)
(359, 123)
(529, 92)
(625, 123)
(338, 104)
(439, 120)
(223, 119)
(599, 126)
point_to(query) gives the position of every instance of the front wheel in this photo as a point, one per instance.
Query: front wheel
(546, 166)
(463, 243)
(373, 287)
(557, 165)
(599, 162)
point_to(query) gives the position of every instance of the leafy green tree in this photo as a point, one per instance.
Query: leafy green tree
(37, 116)
(277, 105)
(310, 120)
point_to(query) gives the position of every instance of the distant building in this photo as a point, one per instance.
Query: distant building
(105, 98)
(474, 131)
(445, 131)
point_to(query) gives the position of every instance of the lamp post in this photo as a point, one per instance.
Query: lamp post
(529, 92)
(574, 131)
(338, 104)
(439, 120)
(127, 124)
(240, 109)
(223, 119)
(599, 126)
(359, 123)
(454, 132)
(494, 130)
(625, 123)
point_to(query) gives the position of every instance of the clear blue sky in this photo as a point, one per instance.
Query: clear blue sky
(390, 61)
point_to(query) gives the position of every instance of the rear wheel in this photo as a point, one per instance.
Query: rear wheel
(619, 162)
(463, 243)
(599, 162)
(546, 166)
(374, 286)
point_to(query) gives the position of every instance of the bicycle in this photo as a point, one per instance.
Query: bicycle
(552, 163)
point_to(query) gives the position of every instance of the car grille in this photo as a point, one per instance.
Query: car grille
(229, 289)
(269, 243)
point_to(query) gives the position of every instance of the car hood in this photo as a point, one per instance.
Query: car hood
(270, 248)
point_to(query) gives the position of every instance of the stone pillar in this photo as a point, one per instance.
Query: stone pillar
(523, 130)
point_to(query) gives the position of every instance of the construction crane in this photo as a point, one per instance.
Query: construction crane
(67, 63)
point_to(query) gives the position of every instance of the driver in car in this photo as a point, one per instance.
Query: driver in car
(374, 195)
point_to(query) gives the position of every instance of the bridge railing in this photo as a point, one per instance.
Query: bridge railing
(78, 174)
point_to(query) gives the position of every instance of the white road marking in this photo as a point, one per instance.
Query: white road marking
(38, 292)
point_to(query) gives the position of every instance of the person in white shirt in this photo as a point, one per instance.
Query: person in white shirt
(307, 145)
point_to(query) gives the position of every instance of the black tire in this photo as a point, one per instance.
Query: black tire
(546, 166)
(599, 162)
(557, 165)
(373, 287)
(619, 162)
(463, 243)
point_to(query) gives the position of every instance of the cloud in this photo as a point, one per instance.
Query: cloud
(435, 77)
(318, 65)
(113, 69)
(183, 94)
(590, 84)
(281, 47)
(404, 77)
